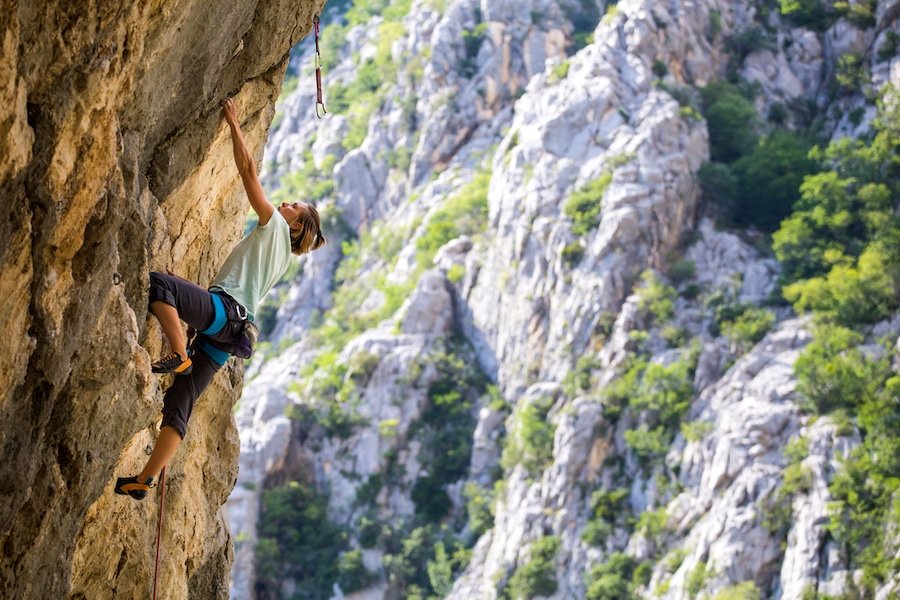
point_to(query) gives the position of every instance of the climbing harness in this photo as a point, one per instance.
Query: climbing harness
(159, 527)
(319, 101)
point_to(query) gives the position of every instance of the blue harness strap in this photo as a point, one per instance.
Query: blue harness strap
(220, 357)
(220, 317)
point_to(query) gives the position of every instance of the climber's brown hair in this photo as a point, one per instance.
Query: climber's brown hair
(306, 232)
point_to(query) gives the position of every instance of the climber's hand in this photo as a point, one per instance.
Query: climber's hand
(229, 111)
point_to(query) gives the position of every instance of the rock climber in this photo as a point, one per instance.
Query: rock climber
(223, 314)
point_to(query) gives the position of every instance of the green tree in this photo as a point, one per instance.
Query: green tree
(537, 577)
(732, 122)
(769, 178)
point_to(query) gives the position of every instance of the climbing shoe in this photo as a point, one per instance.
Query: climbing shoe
(173, 364)
(129, 486)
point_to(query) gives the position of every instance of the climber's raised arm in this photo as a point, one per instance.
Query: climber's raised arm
(246, 165)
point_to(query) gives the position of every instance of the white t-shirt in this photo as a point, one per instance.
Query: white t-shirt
(256, 263)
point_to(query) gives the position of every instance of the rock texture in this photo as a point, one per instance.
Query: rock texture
(546, 121)
(116, 163)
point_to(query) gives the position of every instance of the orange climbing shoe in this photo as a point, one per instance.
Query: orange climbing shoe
(129, 486)
(173, 364)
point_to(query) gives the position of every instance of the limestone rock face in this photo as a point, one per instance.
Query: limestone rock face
(116, 163)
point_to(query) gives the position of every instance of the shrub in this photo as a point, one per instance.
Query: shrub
(352, 573)
(456, 273)
(696, 579)
(807, 13)
(660, 69)
(656, 297)
(851, 73)
(746, 590)
(573, 253)
(611, 580)
(732, 122)
(714, 26)
(559, 72)
(832, 373)
(584, 206)
(646, 442)
(297, 541)
(769, 178)
(719, 188)
(537, 577)
(748, 328)
(478, 507)
(432, 502)
(464, 213)
(850, 293)
(530, 443)
(579, 379)
(607, 506)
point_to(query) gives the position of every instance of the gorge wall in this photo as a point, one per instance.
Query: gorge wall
(115, 162)
(469, 394)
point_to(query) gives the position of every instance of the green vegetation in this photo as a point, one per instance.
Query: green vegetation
(608, 508)
(559, 72)
(616, 579)
(661, 392)
(797, 479)
(696, 579)
(537, 577)
(463, 213)
(473, 39)
(530, 443)
(807, 13)
(584, 16)
(656, 297)
(732, 122)
(297, 542)
(573, 253)
(742, 323)
(753, 179)
(746, 590)
(445, 429)
(360, 98)
(309, 183)
(838, 250)
(583, 207)
(478, 508)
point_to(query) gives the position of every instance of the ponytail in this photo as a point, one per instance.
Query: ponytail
(308, 234)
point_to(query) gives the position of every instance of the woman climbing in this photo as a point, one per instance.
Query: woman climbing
(223, 314)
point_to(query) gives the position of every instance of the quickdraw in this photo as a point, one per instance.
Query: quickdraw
(319, 100)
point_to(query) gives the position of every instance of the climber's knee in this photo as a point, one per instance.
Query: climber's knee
(161, 289)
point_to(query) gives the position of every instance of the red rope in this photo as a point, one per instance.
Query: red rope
(319, 99)
(159, 527)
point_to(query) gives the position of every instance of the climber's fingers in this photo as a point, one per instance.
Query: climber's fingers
(229, 110)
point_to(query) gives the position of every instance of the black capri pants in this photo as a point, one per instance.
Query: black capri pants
(196, 308)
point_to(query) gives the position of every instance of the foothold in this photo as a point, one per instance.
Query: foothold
(117, 279)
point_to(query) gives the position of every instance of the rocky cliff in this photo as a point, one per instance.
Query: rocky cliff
(607, 433)
(116, 163)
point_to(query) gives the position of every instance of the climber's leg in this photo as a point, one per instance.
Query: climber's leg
(172, 300)
(166, 445)
(178, 403)
(168, 319)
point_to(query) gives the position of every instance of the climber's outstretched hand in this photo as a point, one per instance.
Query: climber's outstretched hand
(229, 111)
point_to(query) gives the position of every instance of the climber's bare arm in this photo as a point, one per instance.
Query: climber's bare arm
(246, 165)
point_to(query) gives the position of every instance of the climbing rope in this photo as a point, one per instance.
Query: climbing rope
(159, 527)
(319, 99)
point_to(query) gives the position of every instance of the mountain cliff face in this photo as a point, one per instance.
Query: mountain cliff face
(115, 163)
(518, 377)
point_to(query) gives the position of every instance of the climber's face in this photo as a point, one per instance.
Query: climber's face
(293, 211)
